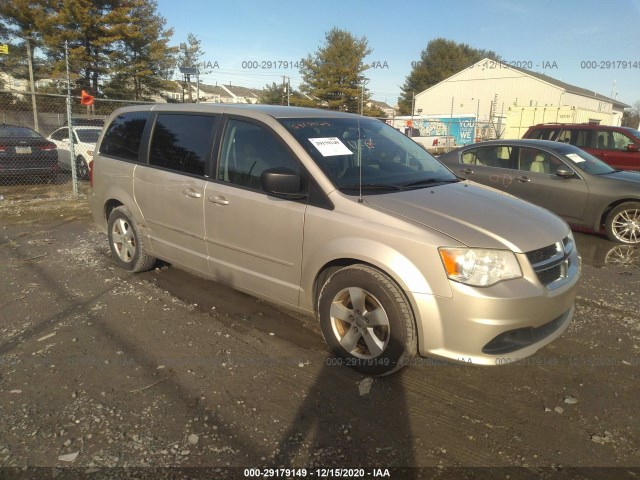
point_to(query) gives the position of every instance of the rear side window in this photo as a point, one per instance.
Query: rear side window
(543, 134)
(470, 157)
(182, 142)
(582, 138)
(62, 134)
(564, 137)
(122, 138)
(494, 156)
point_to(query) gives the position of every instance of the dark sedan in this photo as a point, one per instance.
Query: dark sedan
(570, 182)
(25, 153)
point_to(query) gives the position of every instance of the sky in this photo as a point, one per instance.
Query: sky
(587, 43)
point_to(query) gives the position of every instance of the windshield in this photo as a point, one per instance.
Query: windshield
(585, 161)
(633, 131)
(88, 135)
(364, 151)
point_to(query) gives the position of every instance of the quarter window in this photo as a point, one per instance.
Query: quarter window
(182, 142)
(122, 138)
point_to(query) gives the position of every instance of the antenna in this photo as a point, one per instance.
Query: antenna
(359, 143)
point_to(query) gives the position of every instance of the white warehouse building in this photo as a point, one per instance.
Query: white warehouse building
(506, 100)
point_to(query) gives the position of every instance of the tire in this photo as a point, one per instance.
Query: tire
(82, 168)
(350, 301)
(623, 223)
(125, 244)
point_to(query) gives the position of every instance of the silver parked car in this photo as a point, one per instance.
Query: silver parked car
(585, 191)
(338, 215)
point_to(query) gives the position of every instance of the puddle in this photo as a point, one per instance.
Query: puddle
(601, 253)
(243, 311)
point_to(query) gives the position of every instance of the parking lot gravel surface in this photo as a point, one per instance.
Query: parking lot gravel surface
(103, 368)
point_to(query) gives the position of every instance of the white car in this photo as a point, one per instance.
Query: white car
(84, 139)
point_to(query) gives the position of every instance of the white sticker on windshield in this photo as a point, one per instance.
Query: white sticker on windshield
(575, 157)
(330, 146)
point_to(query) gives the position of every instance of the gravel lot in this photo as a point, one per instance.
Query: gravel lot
(102, 368)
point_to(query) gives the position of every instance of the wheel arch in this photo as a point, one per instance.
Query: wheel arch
(602, 219)
(333, 266)
(109, 206)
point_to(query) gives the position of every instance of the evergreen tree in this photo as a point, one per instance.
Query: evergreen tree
(441, 59)
(91, 28)
(19, 24)
(335, 73)
(141, 59)
(274, 94)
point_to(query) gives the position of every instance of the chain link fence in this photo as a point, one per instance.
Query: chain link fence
(44, 151)
(439, 134)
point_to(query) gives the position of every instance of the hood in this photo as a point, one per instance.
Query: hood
(476, 216)
(630, 176)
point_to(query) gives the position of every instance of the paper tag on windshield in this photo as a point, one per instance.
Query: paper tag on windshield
(575, 157)
(330, 146)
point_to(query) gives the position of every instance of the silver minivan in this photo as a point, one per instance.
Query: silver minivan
(340, 216)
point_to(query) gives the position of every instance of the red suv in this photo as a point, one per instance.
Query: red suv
(617, 146)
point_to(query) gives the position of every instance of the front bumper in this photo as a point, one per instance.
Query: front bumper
(496, 325)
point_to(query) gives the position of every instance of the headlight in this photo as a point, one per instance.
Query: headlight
(479, 267)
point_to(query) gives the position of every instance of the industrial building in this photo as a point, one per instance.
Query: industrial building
(505, 100)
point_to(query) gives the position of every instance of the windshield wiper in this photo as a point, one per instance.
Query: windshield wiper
(429, 182)
(370, 186)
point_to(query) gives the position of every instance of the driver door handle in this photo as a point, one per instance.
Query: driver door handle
(523, 179)
(189, 192)
(466, 171)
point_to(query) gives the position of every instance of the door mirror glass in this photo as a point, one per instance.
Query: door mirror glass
(633, 147)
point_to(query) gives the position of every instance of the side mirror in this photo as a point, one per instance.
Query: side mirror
(282, 182)
(633, 147)
(561, 172)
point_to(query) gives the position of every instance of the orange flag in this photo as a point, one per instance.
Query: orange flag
(86, 99)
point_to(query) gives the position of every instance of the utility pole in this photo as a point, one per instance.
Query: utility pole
(284, 89)
(364, 83)
(413, 107)
(32, 83)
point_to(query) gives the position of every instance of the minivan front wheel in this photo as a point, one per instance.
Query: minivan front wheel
(367, 321)
(124, 242)
(623, 223)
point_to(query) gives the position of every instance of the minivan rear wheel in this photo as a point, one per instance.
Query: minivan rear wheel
(367, 321)
(124, 241)
(623, 223)
(82, 168)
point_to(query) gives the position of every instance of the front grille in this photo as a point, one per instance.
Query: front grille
(550, 275)
(552, 263)
(542, 254)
